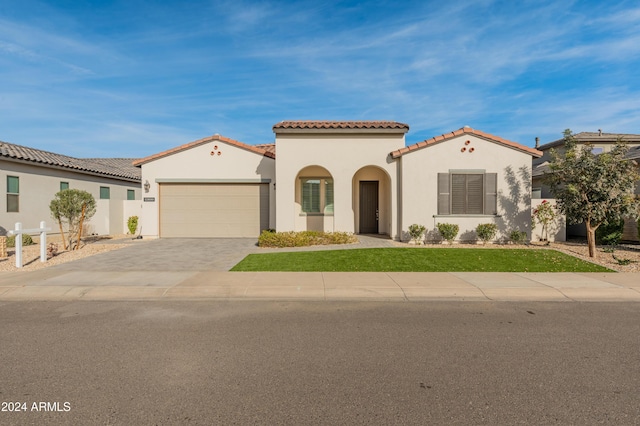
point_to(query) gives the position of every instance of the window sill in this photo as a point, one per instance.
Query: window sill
(316, 214)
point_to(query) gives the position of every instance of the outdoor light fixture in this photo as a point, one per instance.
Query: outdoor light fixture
(147, 186)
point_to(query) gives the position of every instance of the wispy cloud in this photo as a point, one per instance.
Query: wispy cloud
(129, 77)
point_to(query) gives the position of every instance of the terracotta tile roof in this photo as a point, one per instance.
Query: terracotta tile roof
(287, 126)
(269, 147)
(208, 139)
(595, 137)
(120, 168)
(469, 131)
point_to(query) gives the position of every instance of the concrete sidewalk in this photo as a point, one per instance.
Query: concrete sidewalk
(59, 284)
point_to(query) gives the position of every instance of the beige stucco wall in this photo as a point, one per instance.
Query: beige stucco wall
(39, 184)
(348, 158)
(198, 165)
(419, 196)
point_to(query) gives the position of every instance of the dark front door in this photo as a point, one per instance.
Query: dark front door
(369, 207)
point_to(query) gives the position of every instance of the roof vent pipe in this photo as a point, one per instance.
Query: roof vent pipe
(537, 142)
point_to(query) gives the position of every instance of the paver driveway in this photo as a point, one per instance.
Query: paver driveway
(190, 254)
(194, 254)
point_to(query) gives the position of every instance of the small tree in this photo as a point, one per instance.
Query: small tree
(544, 214)
(593, 189)
(71, 207)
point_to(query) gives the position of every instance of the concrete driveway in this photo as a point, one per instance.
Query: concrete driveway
(176, 254)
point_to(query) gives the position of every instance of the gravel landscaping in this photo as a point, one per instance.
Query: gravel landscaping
(90, 247)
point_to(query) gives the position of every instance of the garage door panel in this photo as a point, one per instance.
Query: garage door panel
(213, 210)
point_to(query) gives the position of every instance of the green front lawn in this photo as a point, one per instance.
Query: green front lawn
(418, 260)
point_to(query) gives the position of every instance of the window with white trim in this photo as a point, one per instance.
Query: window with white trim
(467, 193)
(317, 195)
(13, 194)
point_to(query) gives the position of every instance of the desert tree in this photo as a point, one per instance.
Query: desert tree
(71, 207)
(593, 189)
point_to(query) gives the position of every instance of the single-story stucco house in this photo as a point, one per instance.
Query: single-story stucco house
(32, 177)
(351, 176)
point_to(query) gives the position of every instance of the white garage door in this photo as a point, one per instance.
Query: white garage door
(205, 210)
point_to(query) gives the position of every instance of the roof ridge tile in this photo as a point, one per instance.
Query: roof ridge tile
(465, 130)
(216, 137)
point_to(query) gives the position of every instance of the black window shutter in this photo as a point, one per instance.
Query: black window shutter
(491, 193)
(443, 194)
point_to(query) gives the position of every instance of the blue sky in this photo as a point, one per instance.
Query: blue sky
(129, 78)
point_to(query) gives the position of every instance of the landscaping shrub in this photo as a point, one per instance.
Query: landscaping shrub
(486, 231)
(132, 224)
(416, 231)
(518, 237)
(304, 238)
(26, 240)
(449, 231)
(610, 233)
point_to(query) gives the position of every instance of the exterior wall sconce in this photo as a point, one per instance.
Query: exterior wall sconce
(147, 186)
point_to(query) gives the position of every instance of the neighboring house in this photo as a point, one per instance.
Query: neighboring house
(600, 142)
(32, 177)
(355, 176)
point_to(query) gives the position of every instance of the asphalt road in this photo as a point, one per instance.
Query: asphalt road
(319, 363)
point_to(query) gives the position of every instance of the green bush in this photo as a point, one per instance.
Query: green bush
(518, 237)
(449, 231)
(132, 224)
(486, 231)
(638, 225)
(610, 233)
(268, 238)
(416, 231)
(26, 240)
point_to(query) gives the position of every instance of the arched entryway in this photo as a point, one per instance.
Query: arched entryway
(372, 201)
(314, 199)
